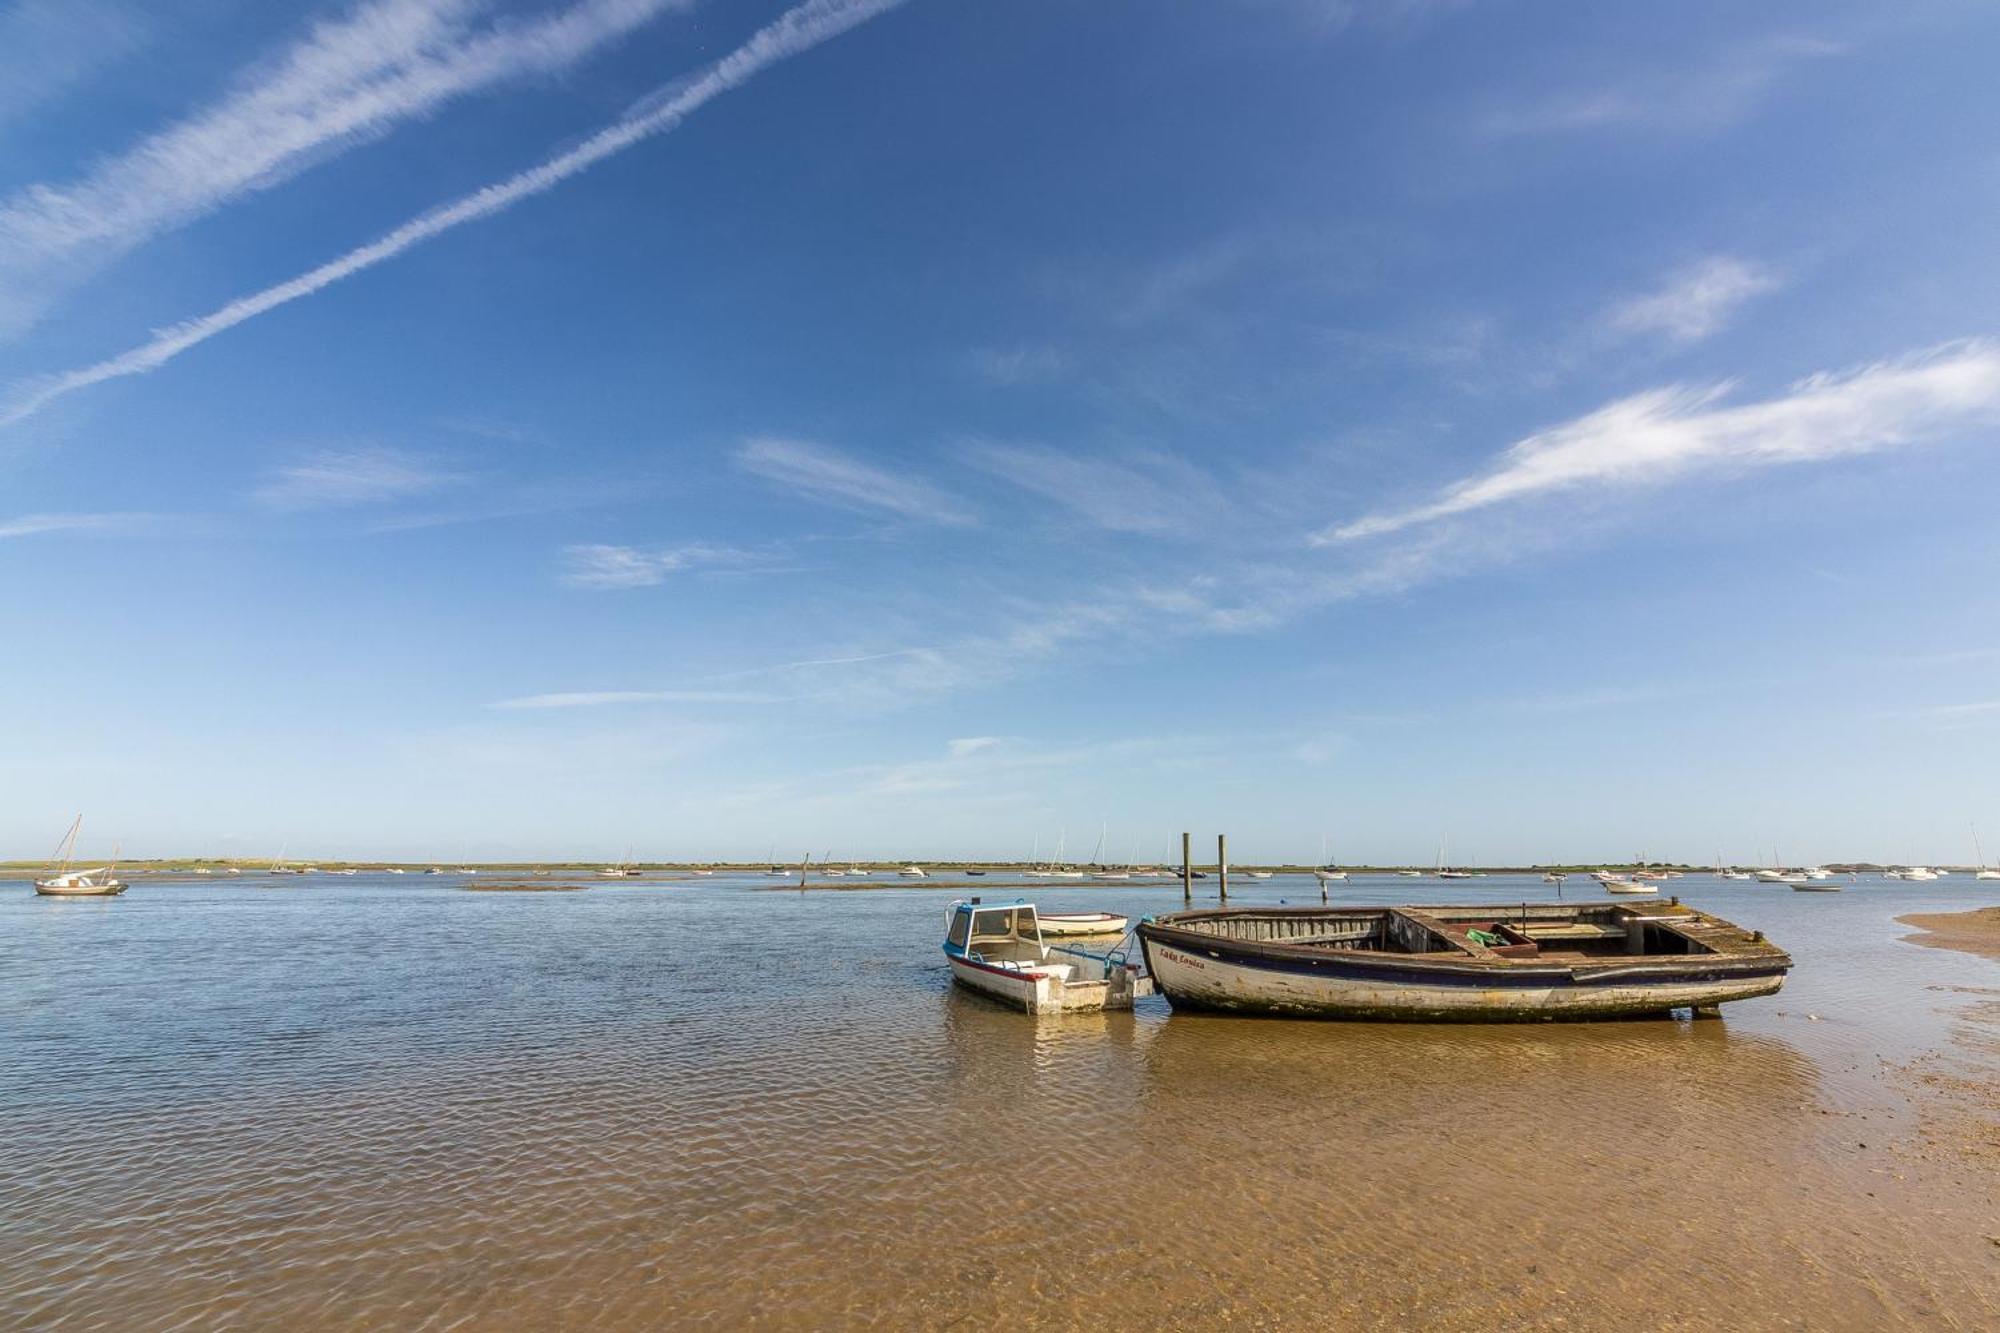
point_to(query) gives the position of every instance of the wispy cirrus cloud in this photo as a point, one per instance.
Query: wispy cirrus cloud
(829, 476)
(345, 80)
(965, 745)
(1137, 491)
(1695, 302)
(36, 525)
(1699, 98)
(792, 33)
(47, 47)
(624, 698)
(339, 478)
(1665, 434)
(599, 566)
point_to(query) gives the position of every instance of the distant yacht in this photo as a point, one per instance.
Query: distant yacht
(1980, 870)
(102, 882)
(1618, 884)
(912, 872)
(1444, 872)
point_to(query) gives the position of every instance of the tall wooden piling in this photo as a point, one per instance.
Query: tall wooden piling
(1187, 871)
(1222, 864)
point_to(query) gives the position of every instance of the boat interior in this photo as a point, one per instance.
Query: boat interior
(1528, 932)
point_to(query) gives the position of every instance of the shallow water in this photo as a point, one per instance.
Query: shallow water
(366, 1102)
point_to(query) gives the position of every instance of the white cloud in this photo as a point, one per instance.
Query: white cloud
(831, 477)
(346, 79)
(34, 525)
(49, 46)
(1022, 364)
(616, 698)
(1664, 434)
(1138, 492)
(336, 478)
(1697, 301)
(797, 30)
(970, 745)
(596, 566)
(1706, 97)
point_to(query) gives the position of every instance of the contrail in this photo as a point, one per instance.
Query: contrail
(796, 31)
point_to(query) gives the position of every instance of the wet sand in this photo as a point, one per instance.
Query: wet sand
(1977, 931)
(627, 1109)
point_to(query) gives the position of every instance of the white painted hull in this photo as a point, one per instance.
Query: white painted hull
(1058, 987)
(1219, 983)
(50, 889)
(1059, 924)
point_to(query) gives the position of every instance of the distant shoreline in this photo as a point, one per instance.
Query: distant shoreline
(262, 866)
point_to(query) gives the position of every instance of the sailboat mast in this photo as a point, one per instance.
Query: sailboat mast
(67, 847)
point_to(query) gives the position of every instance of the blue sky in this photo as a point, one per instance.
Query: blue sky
(441, 428)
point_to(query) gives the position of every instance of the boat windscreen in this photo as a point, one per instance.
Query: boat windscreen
(1002, 923)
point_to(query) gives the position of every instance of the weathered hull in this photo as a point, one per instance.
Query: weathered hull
(92, 891)
(1339, 988)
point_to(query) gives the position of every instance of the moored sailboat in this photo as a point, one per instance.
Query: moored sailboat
(62, 882)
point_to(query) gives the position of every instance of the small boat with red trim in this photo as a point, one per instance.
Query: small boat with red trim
(1478, 964)
(997, 950)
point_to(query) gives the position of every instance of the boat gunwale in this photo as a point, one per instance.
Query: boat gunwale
(1726, 958)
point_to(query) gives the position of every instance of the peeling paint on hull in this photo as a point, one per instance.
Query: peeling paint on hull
(1267, 966)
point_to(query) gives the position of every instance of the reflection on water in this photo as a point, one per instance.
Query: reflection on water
(385, 1104)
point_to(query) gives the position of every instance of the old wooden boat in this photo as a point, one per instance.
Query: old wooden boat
(1082, 923)
(997, 949)
(1531, 962)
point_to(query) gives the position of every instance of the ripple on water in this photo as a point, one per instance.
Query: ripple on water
(383, 1105)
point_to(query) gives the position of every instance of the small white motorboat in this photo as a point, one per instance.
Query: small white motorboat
(1614, 884)
(912, 872)
(1083, 923)
(1257, 874)
(998, 951)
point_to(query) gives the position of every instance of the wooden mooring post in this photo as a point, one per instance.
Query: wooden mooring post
(1222, 864)
(1187, 871)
